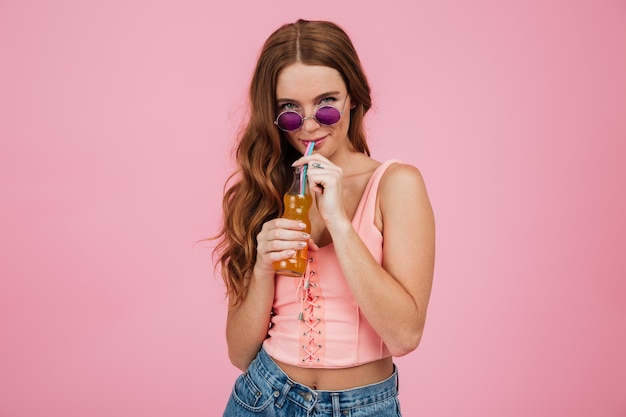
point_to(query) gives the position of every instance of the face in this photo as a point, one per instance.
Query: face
(306, 88)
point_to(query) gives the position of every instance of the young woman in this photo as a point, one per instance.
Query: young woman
(321, 344)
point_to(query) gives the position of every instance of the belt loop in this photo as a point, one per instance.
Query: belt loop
(397, 382)
(334, 398)
(281, 397)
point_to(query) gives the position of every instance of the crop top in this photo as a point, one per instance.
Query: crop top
(316, 321)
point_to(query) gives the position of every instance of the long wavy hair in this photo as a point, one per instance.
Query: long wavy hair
(253, 193)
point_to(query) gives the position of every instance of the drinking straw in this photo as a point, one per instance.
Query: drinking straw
(309, 151)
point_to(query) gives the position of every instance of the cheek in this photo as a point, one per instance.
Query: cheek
(344, 125)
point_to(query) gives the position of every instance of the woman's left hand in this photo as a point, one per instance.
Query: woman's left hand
(325, 183)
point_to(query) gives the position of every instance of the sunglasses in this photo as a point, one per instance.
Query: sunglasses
(290, 120)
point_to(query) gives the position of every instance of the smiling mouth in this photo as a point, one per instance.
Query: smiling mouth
(306, 142)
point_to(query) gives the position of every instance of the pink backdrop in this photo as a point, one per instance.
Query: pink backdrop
(116, 125)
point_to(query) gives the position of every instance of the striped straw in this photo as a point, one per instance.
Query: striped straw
(309, 151)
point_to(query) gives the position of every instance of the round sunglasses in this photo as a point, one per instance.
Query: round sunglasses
(291, 120)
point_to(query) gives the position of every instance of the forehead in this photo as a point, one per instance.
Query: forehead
(304, 82)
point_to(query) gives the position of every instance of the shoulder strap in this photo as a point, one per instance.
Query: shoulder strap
(366, 210)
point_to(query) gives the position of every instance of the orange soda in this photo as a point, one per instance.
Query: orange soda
(297, 202)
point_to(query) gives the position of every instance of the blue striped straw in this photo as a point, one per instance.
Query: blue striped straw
(309, 151)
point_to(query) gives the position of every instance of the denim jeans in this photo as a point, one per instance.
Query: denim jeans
(265, 390)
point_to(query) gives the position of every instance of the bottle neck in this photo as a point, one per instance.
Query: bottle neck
(299, 184)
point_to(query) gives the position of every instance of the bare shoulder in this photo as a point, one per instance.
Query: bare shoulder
(401, 179)
(401, 193)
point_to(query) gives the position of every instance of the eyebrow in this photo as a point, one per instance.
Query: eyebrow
(316, 98)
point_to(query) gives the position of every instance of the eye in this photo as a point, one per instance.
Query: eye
(328, 100)
(288, 106)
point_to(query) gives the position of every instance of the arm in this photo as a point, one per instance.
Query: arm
(248, 321)
(398, 291)
(393, 296)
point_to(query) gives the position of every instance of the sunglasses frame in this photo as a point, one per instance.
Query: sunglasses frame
(314, 117)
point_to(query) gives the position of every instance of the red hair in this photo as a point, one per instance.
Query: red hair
(253, 193)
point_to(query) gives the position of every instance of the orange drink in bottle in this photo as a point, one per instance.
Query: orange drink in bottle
(297, 202)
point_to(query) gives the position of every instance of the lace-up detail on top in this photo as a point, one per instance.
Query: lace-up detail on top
(309, 293)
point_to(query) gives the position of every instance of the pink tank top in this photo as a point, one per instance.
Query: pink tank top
(316, 321)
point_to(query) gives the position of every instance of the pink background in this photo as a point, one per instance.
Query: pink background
(116, 125)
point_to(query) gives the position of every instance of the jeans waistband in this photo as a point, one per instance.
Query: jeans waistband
(284, 388)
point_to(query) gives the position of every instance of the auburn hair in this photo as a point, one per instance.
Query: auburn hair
(253, 193)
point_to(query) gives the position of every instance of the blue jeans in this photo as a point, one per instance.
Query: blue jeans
(265, 390)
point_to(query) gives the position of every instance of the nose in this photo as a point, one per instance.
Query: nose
(309, 126)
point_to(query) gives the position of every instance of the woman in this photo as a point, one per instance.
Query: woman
(321, 344)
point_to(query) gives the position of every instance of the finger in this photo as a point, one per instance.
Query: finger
(323, 178)
(280, 239)
(314, 247)
(291, 224)
(314, 159)
(279, 256)
(276, 246)
(271, 257)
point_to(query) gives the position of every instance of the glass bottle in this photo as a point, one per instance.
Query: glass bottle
(297, 201)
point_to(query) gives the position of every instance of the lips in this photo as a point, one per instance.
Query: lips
(318, 142)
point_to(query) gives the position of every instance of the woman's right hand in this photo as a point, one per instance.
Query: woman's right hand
(279, 239)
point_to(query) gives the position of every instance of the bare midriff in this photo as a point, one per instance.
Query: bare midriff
(335, 379)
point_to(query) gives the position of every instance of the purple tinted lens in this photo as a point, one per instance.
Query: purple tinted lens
(289, 120)
(327, 115)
